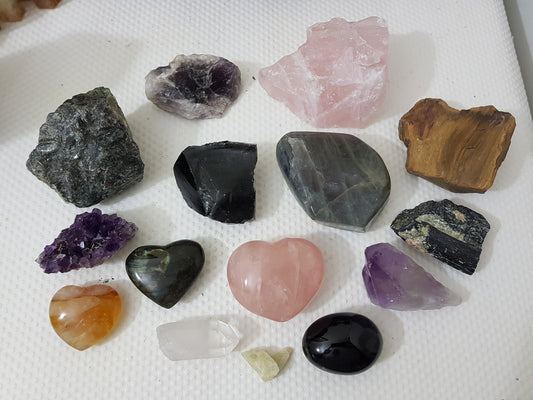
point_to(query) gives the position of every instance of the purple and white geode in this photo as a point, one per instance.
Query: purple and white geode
(393, 280)
(196, 86)
(89, 241)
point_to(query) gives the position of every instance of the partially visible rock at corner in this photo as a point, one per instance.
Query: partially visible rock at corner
(451, 233)
(458, 150)
(85, 150)
(13, 11)
(194, 87)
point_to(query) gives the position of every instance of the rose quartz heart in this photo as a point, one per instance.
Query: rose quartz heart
(276, 280)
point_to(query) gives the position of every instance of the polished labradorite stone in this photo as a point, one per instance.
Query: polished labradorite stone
(337, 178)
(342, 343)
(165, 273)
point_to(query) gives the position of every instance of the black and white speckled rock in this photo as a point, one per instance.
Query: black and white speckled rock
(449, 232)
(197, 86)
(85, 150)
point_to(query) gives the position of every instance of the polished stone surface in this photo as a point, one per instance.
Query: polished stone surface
(165, 273)
(449, 232)
(89, 241)
(342, 343)
(337, 178)
(82, 316)
(460, 150)
(393, 280)
(217, 180)
(338, 77)
(196, 86)
(85, 151)
(196, 338)
(276, 280)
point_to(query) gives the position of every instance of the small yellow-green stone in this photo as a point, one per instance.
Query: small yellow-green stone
(266, 365)
(282, 357)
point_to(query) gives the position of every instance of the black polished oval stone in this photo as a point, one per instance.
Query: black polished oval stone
(342, 343)
(165, 273)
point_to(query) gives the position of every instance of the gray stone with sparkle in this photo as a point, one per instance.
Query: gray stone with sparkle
(337, 178)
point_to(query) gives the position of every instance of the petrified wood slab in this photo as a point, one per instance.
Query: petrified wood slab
(460, 150)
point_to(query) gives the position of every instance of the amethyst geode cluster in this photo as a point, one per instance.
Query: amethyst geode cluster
(89, 241)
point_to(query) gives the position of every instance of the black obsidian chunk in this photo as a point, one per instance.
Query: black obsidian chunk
(342, 343)
(217, 180)
(449, 232)
(85, 150)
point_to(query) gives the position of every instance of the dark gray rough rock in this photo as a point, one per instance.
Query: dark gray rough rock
(194, 87)
(85, 150)
(337, 178)
(451, 233)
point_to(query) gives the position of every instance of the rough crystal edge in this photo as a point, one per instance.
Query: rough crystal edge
(374, 294)
(427, 243)
(50, 265)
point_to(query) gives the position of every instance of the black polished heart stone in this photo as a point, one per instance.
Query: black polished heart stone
(165, 273)
(342, 343)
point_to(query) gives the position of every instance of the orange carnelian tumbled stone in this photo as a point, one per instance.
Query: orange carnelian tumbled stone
(82, 316)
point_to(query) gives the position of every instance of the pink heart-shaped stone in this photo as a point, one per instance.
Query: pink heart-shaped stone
(276, 280)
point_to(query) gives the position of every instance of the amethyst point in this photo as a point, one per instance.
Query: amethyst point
(393, 280)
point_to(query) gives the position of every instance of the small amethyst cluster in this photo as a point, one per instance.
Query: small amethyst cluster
(89, 241)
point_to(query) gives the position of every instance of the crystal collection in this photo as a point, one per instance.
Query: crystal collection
(337, 79)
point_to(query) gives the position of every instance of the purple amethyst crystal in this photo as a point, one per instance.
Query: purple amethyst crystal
(89, 241)
(393, 280)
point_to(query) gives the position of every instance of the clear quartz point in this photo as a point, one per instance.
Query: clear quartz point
(193, 339)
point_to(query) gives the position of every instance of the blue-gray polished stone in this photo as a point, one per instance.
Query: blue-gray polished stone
(337, 178)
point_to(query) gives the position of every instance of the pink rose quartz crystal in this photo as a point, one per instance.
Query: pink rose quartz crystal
(337, 78)
(276, 280)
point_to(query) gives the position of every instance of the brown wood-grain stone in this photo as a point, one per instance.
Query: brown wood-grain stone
(459, 150)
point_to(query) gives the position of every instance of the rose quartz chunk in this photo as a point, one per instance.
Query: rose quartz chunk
(276, 280)
(337, 78)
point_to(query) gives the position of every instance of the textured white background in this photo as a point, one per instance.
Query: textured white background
(460, 51)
